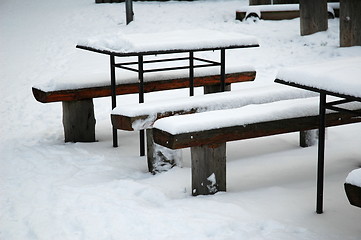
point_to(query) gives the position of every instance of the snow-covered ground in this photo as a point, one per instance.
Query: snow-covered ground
(55, 190)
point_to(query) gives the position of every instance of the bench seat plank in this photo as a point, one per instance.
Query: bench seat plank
(129, 88)
(198, 129)
(141, 116)
(353, 187)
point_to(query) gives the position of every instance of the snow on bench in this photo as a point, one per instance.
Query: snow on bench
(353, 187)
(142, 116)
(279, 11)
(77, 92)
(207, 133)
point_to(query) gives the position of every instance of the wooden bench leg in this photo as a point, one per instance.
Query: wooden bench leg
(215, 88)
(308, 138)
(159, 158)
(208, 169)
(79, 121)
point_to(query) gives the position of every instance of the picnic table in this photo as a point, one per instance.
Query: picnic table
(340, 78)
(140, 45)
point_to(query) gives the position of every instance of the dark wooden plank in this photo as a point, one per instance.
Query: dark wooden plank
(254, 130)
(79, 121)
(104, 91)
(208, 169)
(353, 194)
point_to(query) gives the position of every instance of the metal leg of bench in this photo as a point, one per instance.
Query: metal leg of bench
(223, 70)
(321, 154)
(208, 169)
(141, 100)
(114, 99)
(191, 73)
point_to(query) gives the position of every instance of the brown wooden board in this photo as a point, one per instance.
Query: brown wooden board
(353, 194)
(261, 129)
(104, 91)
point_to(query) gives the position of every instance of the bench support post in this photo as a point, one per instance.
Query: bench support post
(313, 16)
(79, 121)
(208, 169)
(159, 158)
(216, 88)
(308, 138)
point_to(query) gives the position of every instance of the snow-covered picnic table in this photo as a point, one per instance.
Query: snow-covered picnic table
(144, 44)
(340, 78)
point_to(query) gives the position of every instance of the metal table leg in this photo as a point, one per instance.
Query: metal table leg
(114, 99)
(321, 154)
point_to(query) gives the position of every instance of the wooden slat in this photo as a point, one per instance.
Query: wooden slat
(353, 194)
(261, 129)
(95, 92)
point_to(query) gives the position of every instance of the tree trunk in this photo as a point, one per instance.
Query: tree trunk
(350, 23)
(314, 16)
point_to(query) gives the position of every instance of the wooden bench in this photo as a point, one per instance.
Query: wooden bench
(132, 117)
(352, 187)
(77, 97)
(279, 11)
(207, 133)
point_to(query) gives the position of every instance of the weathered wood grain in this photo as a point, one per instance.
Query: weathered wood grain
(254, 130)
(104, 91)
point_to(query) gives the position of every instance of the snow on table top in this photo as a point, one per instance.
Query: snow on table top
(209, 102)
(354, 177)
(341, 76)
(97, 78)
(242, 116)
(125, 43)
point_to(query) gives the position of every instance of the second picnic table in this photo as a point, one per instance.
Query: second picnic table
(182, 41)
(339, 78)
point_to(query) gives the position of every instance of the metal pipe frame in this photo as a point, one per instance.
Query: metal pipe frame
(140, 70)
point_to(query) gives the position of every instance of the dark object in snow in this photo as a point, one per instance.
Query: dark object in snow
(313, 16)
(350, 23)
(353, 194)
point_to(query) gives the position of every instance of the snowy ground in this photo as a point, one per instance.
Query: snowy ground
(53, 190)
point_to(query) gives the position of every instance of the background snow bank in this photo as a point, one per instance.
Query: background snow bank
(53, 190)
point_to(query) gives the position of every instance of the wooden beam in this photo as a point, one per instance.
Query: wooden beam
(314, 16)
(261, 129)
(104, 91)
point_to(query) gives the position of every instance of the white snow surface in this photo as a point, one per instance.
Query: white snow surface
(55, 190)
(188, 39)
(99, 78)
(354, 177)
(209, 102)
(249, 114)
(338, 76)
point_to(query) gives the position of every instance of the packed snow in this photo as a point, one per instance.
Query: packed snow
(338, 76)
(354, 177)
(55, 190)
(188, 39)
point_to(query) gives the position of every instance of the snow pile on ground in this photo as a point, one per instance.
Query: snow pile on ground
(55, 190)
